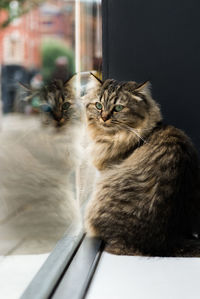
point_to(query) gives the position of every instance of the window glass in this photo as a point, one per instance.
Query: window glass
(45, 176)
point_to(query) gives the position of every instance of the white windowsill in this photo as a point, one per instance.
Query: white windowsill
(128, 277)
(16, 272)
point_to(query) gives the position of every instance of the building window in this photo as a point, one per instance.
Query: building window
(13, 48)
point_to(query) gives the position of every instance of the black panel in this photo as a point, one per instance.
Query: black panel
(157, 41)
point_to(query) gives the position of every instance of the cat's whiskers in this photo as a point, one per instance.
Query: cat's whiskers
(130, 130)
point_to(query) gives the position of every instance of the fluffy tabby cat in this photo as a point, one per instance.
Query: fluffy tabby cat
(38, 163)
(147, 199)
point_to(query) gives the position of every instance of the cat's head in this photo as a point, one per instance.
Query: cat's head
(113, 106)
(57, 103)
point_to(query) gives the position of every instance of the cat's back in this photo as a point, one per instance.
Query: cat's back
(166, 147)
(169, 136)
(167, 163)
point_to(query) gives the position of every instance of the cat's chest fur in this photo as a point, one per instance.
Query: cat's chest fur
(112, 149)
(166, 142)
(38, 170)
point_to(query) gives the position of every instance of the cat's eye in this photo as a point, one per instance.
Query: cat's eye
(118, 108)
(66, 105)
(98, 105)
(45, 108)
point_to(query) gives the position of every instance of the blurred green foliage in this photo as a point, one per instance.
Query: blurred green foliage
(6, 3)
(17, 8)
(52, 49)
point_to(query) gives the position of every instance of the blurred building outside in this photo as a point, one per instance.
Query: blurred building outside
(22, 40)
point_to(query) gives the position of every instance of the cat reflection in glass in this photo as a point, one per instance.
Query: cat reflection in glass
(147, 198)
(38, 160)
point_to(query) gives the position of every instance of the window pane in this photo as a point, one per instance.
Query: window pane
(45, 176)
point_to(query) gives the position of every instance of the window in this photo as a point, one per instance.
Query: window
(13, 48)
(44, 175)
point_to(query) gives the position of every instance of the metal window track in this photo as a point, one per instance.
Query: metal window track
(68, 270)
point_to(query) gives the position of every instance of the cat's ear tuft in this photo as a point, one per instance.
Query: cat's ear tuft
(144, 88)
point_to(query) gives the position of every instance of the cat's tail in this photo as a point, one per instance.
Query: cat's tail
(189, 248)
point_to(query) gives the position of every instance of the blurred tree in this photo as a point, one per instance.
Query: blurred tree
(52, 50)
(17, 8)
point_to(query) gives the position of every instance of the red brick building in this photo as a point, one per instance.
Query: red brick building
(20, 41)
(58, 21)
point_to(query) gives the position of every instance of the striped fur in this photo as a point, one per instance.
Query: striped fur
(147, 198)
(38, 166)
(57, 94)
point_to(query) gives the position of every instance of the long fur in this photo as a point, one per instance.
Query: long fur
(38, 164)
(147, 200)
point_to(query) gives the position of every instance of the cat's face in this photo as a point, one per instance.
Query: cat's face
(114, 106)
(58, 104)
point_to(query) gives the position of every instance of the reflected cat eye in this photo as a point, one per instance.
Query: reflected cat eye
(118, 108)
(98, 105)
(45, 108)
(66, 105)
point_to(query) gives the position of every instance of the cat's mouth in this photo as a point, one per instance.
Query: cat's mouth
(107, 123)
(60, 127)
(59, 123)
(108, 126)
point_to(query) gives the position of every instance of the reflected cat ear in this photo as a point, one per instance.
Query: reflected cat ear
(25, 87)
(144, 88)
(29, 93)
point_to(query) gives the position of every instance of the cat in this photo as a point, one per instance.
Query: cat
(39, 156)
(147, 198)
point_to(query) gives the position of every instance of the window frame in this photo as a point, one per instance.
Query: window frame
(73, 260)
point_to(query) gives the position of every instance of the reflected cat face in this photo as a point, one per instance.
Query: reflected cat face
(57, 103)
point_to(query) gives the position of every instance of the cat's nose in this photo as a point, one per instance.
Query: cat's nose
(105, 116)
(57, 116)
(60, 123)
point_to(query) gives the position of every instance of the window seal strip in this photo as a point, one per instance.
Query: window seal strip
(76, 280)
(47, 278)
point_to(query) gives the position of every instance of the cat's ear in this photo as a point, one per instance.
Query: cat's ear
(71, 81)
(98, 80)
(28, 92)
(73, 84)
(93, 87)
(25, 87)
(94, 83)
(144, 88)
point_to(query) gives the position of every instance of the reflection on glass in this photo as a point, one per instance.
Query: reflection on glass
(45, 176)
